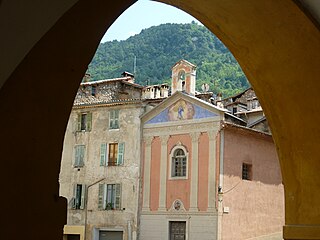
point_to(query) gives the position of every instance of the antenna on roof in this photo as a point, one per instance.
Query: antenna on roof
(134, 65)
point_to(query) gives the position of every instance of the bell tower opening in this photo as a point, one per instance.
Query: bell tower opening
(184, 77)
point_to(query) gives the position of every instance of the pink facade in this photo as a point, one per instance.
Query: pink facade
(203, 172)
(179, 188)
(254, 207)
(155, 173)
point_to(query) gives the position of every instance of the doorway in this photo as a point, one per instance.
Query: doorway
(177, 230)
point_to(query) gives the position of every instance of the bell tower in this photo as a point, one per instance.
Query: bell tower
(183, 77)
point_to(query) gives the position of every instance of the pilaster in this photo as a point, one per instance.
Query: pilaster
(194, 172)
(211, 172)
(163, 173)
(146, 175)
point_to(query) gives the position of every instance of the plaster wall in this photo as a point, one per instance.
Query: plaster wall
(276, 43)
(179, 188)
(256, 208)
(156, 227)
(203, 172)
(127, 174)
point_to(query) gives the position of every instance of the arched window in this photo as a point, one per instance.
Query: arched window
(179, 163)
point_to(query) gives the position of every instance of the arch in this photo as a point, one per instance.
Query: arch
(178, 156)
(275, 42)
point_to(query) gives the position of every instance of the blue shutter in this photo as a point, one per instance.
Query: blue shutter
(100, 197)
(81, 155)
(120, 153)
(103, 154)
(89, 122)
(83, 196)
(117, 194)
(79, 123)
(77, 156)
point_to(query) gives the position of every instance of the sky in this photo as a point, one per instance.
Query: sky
(144, 14)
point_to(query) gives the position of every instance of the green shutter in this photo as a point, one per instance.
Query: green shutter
(89, 122)
(73, 199)
(111, 117)
(81, 155)
(83, 196)
(76, 156)
(120, 153)
(116, 119)
(100, 196)
(103, 154)
(117, 196)
(79, 122)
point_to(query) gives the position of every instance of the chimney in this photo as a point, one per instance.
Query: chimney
(130, 75)
(86, 77)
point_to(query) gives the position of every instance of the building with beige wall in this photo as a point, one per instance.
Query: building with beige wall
(139, 164)
(100, 165)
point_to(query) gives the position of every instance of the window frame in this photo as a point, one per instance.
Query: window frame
(79, 155)
(112, 154)
(246, 171)
(84, 122)
(109, 196)
(78, 199)
(171, 170)
(114, 116)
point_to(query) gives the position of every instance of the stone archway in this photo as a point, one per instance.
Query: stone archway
(276, 44)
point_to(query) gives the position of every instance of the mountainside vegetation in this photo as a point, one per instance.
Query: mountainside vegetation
(158, 48)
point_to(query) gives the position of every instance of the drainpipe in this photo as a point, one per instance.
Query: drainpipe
(86, 205)
(221, 159)
(220, 186)
(129, 230)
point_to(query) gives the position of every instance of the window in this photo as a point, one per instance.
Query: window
(79, 155)
(179, 163)
(111, 154)
(78, 200)
(114, 119)
(177, 230)
(234, 110)
(84, 122)
(93, 90)
(246, 171)
(110, 235)
(109, 197)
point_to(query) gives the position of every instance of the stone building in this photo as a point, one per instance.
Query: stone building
(139, 163)
(101, 161)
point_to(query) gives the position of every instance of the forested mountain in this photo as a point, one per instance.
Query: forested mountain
(158, 48)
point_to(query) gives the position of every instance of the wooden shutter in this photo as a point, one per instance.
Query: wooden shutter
(120, 153)
(116, 119)
(111, 119)
(100, 196)
(77, 156)
(89, 122)
(103, 154)
(83, 196)
(73, 199)
(79, 122)
(117, 196)
(81, 155)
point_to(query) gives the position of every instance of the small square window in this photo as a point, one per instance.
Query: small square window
(247, 171)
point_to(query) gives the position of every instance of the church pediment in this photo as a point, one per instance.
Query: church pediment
(181, 110)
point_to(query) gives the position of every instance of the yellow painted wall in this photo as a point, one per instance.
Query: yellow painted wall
(68, 229)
